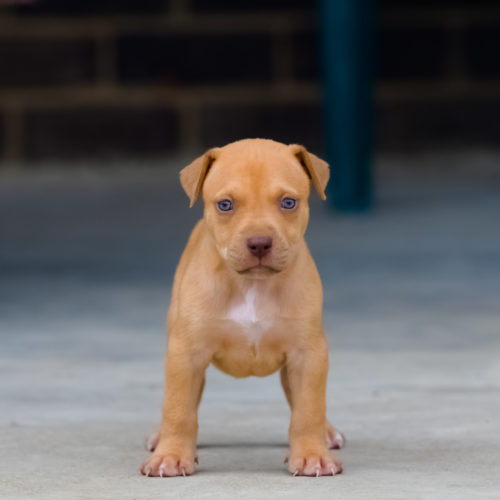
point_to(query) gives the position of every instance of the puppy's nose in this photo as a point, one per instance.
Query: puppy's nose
(259, 245)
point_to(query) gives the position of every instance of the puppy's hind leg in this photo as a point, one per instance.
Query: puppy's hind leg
(335, 440)
(152, 440)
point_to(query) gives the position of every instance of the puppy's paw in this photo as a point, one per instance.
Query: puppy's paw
(168, 465)
(152, 440)
(314, 463)
(335, 440)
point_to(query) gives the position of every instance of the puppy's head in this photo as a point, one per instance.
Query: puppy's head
(256, 201)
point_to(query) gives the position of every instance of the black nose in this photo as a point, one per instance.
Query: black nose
(259, 245)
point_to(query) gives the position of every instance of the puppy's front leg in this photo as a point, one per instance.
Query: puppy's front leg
(175, 453)
(307, 371)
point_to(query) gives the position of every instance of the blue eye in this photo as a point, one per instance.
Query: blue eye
(288, 203)
(225, 205)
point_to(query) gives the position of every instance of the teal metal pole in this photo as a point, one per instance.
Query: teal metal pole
(347, 28)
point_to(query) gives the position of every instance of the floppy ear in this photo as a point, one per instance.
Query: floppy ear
(194, 174)
(317, 169)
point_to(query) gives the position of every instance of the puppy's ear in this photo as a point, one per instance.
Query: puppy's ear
(317, 169)
(193, 176)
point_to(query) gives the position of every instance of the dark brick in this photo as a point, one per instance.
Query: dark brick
(411, 53)
(288, 123)
(434, 3)
(100, 132)
(482, 51)
(401, 54)
(306, 55)
(44, 62)
(90, 7)
(459, 123)
(2, 135)
(180, 59)
(246, 5)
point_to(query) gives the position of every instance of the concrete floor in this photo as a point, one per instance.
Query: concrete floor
(412, 310)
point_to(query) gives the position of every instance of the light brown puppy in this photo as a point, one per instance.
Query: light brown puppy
(247, 297)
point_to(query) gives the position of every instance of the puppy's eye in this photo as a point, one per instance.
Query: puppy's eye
(288, 203)
(225, 205)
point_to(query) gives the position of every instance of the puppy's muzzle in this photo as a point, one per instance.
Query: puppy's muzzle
(259, 245)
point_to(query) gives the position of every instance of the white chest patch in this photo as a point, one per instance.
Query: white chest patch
(245, 314)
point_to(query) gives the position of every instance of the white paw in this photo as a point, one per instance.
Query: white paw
(152, 440)
(335, 440)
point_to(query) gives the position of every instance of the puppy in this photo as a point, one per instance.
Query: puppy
(247, 297)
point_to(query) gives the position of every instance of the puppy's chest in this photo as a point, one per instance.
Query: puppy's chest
(253, 315)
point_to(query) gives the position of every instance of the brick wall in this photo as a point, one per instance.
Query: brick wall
(151, 77)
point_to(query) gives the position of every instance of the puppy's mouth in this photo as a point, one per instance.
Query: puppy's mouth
(259, 269)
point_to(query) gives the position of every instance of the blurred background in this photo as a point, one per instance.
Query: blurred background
(92, 79)
(103, 102)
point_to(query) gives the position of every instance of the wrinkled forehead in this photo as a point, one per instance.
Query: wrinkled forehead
(267, 173)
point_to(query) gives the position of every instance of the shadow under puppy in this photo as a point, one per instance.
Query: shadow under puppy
(247, 297)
